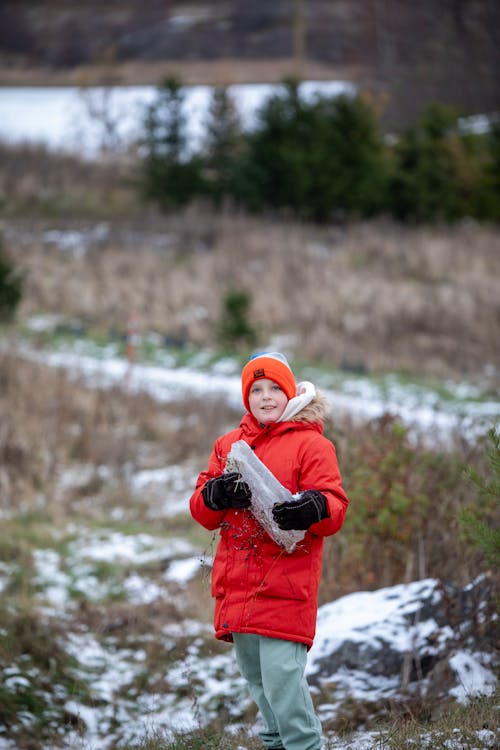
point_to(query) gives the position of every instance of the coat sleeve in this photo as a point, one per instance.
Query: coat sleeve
(210, 519)
(320, 471)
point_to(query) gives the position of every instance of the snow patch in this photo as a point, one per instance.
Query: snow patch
(474, 678)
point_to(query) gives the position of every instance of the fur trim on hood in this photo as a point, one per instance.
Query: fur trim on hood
(316, 411)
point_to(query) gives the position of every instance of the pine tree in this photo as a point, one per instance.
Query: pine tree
(479, 521)
(316, 158)
(170, 175)
(222, 144)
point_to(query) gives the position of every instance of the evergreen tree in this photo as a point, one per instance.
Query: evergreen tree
(426, 185)
(169, 174)
(223, 144)
(479, 521)
(352, 166)
(490, 204)
(316, 158)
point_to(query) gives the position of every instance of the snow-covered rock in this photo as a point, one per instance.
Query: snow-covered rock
(373, 645)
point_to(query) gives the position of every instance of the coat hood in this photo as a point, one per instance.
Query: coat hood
(316, 411)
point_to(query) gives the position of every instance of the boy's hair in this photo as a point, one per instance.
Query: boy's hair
(271, 365)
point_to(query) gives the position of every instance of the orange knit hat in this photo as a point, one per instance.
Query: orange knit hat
(271, 365)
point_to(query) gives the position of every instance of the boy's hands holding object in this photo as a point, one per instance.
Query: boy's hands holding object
(308, 509)
(226, 491)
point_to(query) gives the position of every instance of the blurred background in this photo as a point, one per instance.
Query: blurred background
(182, 183)
(405, 53)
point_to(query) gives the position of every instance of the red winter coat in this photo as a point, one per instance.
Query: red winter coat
(258, 586)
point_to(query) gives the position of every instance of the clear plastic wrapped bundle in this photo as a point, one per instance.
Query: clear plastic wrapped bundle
(266, 492)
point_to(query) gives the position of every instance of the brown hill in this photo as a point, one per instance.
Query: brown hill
(406, 54)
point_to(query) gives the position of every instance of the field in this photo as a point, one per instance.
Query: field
(372, 297)
(375, 296)
(363, 298)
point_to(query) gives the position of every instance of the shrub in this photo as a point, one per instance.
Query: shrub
(11, 285)
(401, 523)
(479, 521)
(489, 200)
(235, 328)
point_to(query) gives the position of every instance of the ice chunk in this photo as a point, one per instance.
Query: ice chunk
(266, 492)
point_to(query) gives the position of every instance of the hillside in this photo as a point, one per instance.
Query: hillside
(113, 385)
(370, 298)
(106, 637)
(404, 53)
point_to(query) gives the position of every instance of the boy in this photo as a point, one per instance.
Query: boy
(265, 598)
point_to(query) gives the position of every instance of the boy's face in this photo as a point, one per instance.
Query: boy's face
(266, 400)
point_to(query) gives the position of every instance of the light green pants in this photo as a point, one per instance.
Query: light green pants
(274, 670)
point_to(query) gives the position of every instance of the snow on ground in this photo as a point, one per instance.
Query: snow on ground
(474, 678)
(169, 486)
(390, 621)
(423, 410)
(57, 576)
(372, 615)
(196, 685)
(365, 619)
(61, 117)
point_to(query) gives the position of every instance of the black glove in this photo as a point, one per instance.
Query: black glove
(226, 491)
(310, 508)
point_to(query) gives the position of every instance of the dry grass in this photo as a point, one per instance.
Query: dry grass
(51, 424)
(34, 180)
(190, 72)
(375, 295)
(57, 434)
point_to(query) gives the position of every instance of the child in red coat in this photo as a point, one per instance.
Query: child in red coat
(265, 597)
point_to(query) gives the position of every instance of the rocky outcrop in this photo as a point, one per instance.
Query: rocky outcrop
(427, 638)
